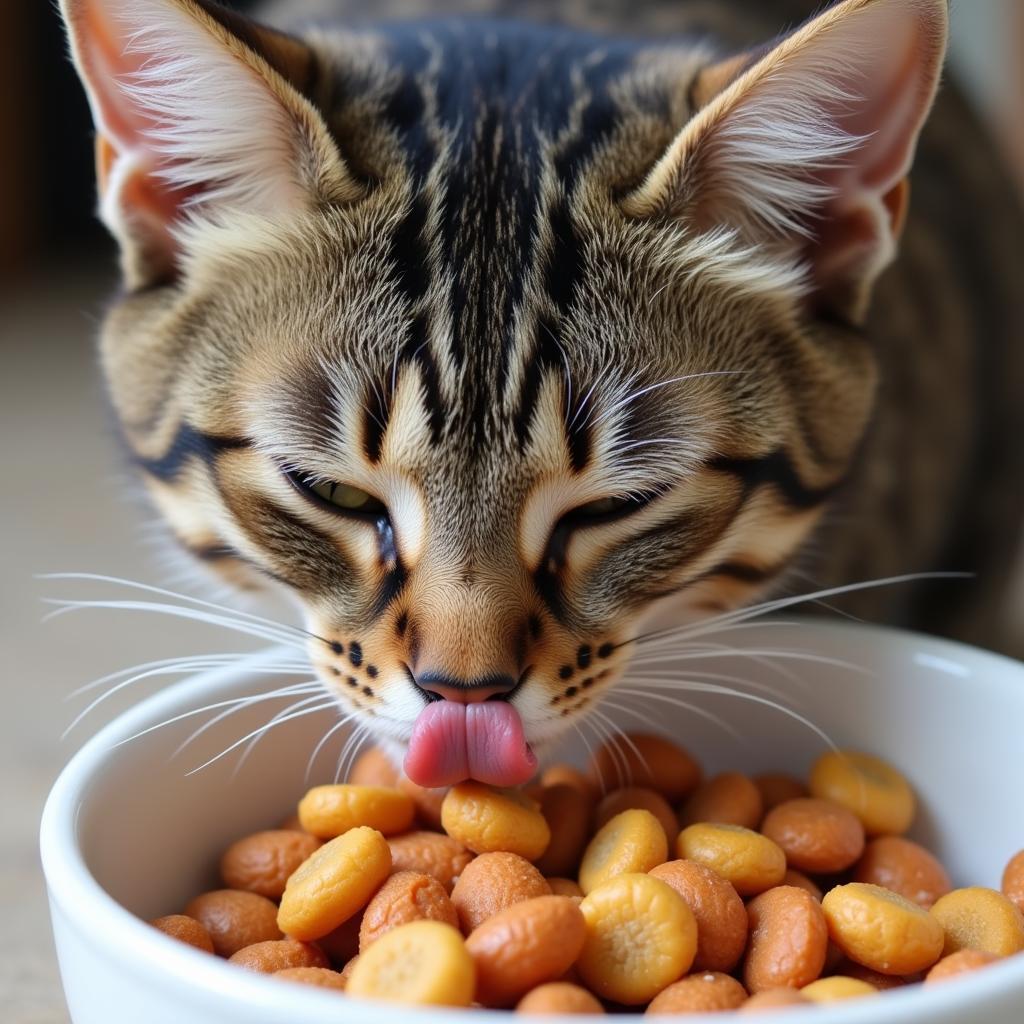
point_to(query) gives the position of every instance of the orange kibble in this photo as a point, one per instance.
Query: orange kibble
(707, 992)
(748, 860)
(331, 811)
(493, 882)
(523, 946)
(905, 867)
(558, 997)
(185, 929)
(565, 887)
(870, 787)
(335, 883)
(262, 863)
(730, 798)
(637, 798)
(647, 760)
(373, 768)
(1013, 880)
(979, 918)
(561, 774)
(567, 813)
(321, 977)
(342, 943)
(406, 896)
(788, 940)
(777, 787)
(632, 841)
(774, 999)
(278, 955)
(432, 854)
(719, 912)
(882, 982)
(815, 835)
(427, 801)
(836, 988)
(881, 930)
(235, 919)
(963, 961)
(488, 820)
(801, 881)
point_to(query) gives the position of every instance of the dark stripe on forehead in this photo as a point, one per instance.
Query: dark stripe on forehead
(188, 444)
(775, 470)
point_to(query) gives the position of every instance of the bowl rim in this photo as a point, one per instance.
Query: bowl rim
(161, 960)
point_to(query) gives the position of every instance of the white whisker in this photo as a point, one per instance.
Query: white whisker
(323, 740)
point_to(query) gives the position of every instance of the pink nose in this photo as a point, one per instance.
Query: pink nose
(472, 691)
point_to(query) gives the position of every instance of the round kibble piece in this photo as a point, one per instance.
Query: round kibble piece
(335, 883)
(427, 801)
(801, 881)
(568, 775)
(321, 977)
(819, 836)
(748, 860)
(632, 841)
(235, 919)
(708, 992)
(489, 820)
(870, 787)
(261, 863)
(406, 896)
(719, 912)
(185, 929)
(432, 854)
(330, 811)
(641, 936)
(648, 760)
(905, 867)
(730, 798)
(979, 918)
(564, 887)
(373, 768)
(961, 962)
(831, 990)
(1013, 880)
(279, 954)
(567, 813)
(788, 940)
(882, 930)
(493, 882)
(524, 946)
(774, 999)
(777, 787)
(558, 997)
(637, 798)
(423, 963)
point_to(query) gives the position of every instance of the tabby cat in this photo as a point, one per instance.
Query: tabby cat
(497, 337)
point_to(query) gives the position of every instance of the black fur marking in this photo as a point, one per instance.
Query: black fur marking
(742, 571)
(337, 647)
(372, 671)
(776, 470)
(605, 650)
(583, 656)
(351, 680)
(416, 350)
(375, 424)
(355, 653)
(188, 443)
(211, 552)
(394, 572)
(402, 623)
(565, 672)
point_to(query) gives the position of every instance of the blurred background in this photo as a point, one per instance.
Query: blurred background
(63, 494)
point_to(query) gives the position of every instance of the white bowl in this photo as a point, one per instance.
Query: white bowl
(127, 835)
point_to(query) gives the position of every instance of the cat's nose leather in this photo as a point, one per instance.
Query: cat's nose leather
(465, 691)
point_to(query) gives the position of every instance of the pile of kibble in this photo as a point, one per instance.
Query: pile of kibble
(582, 894)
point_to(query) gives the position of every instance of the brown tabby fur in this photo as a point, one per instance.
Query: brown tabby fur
(292, 345)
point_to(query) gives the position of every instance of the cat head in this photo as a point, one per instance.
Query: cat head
(489, 342)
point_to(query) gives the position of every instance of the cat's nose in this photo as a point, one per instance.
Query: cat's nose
(465, 691)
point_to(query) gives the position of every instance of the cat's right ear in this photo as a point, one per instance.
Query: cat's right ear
(198, 112)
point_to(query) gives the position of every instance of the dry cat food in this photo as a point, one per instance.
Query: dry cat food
(632, 886)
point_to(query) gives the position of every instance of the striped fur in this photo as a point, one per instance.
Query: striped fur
(465, 300)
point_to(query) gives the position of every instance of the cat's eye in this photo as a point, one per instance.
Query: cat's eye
(341, 496)
(604, 510)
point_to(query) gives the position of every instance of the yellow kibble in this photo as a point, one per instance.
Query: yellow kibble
(489, 820)
(749, 860)
(329, 811)
(981, 919)
(870, 787)
(882, 930)
(641, 936)
(424, 963)
(334, 883)
(633, 841)
(831, 990)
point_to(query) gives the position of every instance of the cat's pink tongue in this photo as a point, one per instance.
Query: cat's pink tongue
(451, 742)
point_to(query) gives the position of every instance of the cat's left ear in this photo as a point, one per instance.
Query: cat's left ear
(809, 144)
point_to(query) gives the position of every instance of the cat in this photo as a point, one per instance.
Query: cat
(497, 338)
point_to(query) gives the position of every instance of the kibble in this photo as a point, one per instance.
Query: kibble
(235, 919)
(961, 962)
(321, 977)
(647, 760)
(788, 940)
(819, 836)
(488, 820)
(278, 955)
(432, 854)
(1013, 880)
(905, 867)
(870, 787)
(185, 929)
(558, 997)
(979, 918)
(493, 882)
(730, 799)
(262, 863)
(406, 896)
(632, 841)
(637, 798)
(708, 992)
(330, 811)
(747, 859)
